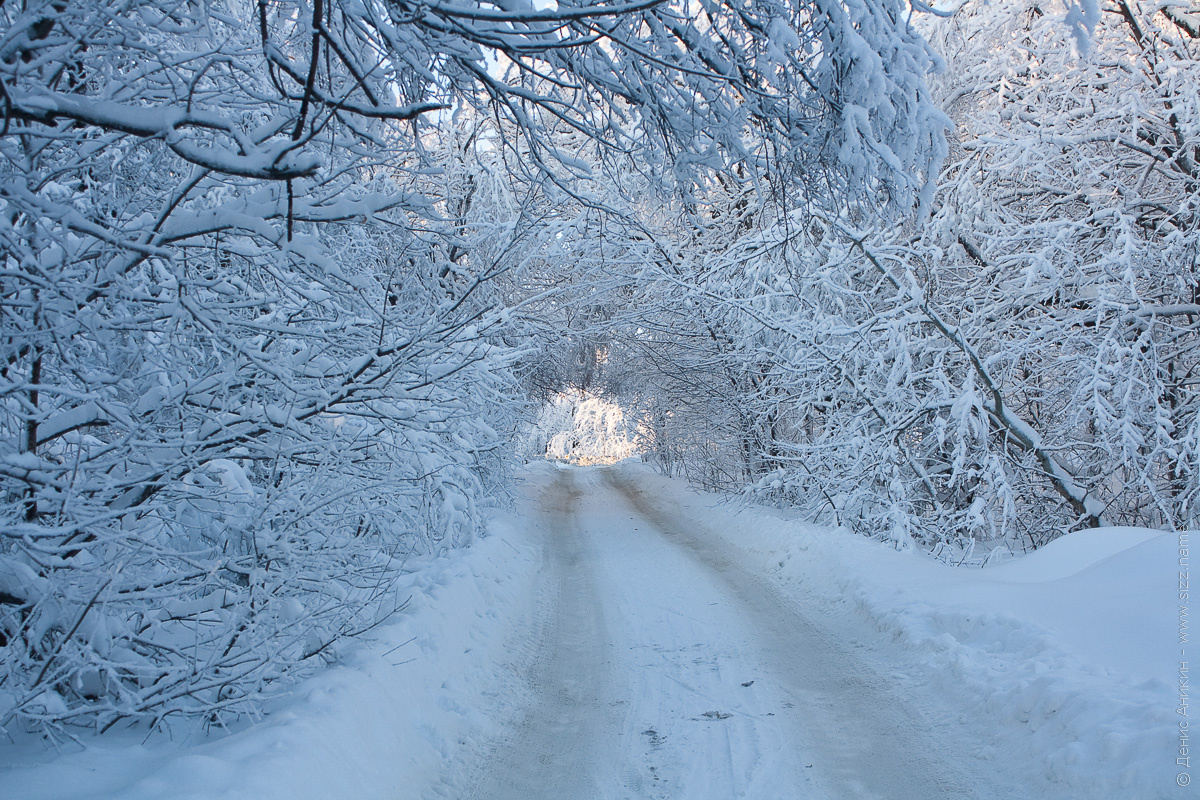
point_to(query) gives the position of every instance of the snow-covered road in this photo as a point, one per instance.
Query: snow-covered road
(663, 668)
(620, 635)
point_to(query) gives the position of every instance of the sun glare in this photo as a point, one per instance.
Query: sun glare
(582, 428)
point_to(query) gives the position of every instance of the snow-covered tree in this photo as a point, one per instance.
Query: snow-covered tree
(1064, 249)
(256, 258)
(1018, 362)
(239, 378)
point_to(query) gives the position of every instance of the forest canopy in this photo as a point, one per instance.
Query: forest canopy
(282, 281)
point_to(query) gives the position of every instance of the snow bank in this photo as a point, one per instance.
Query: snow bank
(1067, 657)
(394, 714)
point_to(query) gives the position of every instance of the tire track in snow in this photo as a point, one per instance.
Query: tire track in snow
(865, 741)
(552, 752)
(664, 670)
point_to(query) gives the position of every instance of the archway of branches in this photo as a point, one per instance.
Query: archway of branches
(284, 283)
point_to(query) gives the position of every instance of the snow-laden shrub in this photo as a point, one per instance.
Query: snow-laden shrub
(245, 496)
(232, 403)
(581, 428)
(1015, 358)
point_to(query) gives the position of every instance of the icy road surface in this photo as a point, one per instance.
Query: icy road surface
(664, 669)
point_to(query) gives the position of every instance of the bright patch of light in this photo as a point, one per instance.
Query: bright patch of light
(582, 428)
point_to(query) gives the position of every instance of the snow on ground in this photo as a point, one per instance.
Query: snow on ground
(393, 715)
(668, 672)
(1059, 666)
(1068, 657)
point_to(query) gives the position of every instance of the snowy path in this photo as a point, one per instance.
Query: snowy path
(665, 669)
(627, 637)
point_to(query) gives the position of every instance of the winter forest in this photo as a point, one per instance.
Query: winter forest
(289, 288)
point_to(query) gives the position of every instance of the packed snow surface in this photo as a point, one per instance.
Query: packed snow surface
(631, 638)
